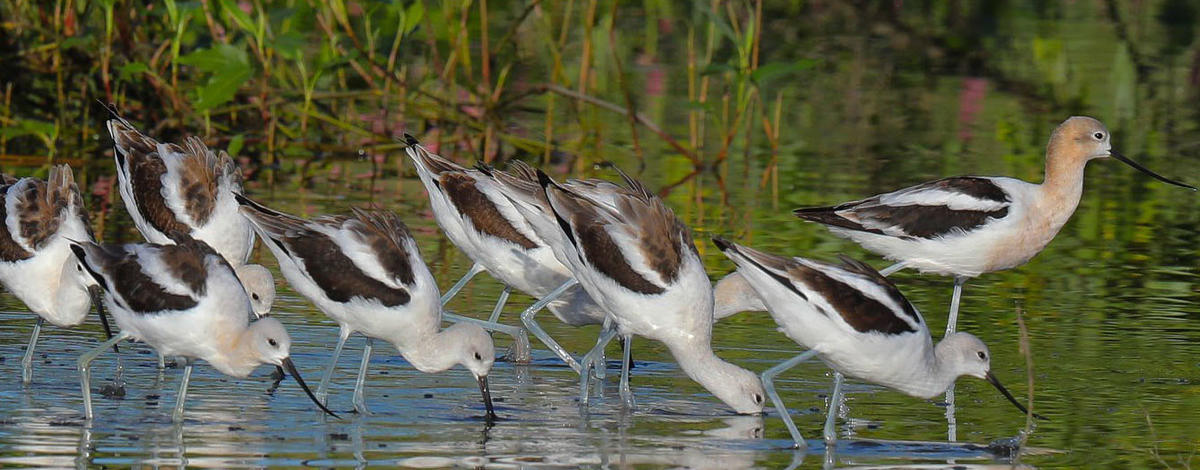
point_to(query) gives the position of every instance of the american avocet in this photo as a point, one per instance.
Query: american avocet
(473, 211)
(366, 273)
(970, 225)
(470, 207)
(183, 300)
(858, 323)
(637, 260)
(188, 189)
(40, 218)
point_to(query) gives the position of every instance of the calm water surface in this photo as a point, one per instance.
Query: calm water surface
(1110, 306)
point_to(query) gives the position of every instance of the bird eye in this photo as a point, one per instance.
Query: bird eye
(478, 357)
(273, 343)
(758, 399)
(1098, 135)
(982, 355)
(254, 296)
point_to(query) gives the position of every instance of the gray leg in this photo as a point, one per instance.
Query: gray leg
(495, 318)
(835, 403)
(162, 361)
(626, 393)
(951, 327)
(518, 352)
(951, 420)
(27, 360)
(952, 320)
(600, 368)
(85, 374)
(360, 403)
(768, 380)
(475, 269)
(893, 268)
(322, 388)
(589, 361)
(177, 415)
(532, 325)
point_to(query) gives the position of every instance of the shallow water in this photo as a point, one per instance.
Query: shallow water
(1113, 332)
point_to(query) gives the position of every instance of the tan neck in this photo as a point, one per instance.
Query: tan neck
(1063, 185)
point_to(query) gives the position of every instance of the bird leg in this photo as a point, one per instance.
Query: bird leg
(322, 388)
(495, 318)
(626, 393)
(600, 367)
(532, 325)
(85, 374)
(835, 403)
(458, 286)
(589, 361)
(768, 380)
(951, 326)
(885, 272)
(360, 403)
(518, 352)
(181, 397)
(27, 359)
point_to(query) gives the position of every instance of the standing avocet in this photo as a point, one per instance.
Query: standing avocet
(366, 273)
(970, 225)
(188, 189)
(855, 320)
(40, 219)
(183, 300)
(637, 260)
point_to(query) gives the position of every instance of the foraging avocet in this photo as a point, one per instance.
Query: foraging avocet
(473, 211)
(858, 323)
(183, 300)
(40, 219)
(970, 225)
(366, 273)
(637, 260)
(188, 189)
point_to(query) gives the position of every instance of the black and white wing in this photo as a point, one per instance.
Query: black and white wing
(936, 209)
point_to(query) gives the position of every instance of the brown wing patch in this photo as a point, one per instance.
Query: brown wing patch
(602, 252)
(185, 260)
(929, 221)
(861, 312)
(145, 176)
(334, 272)
(385, 233)
(198, 180)
(38, 212)
(133, 288)
(480, 210)
(662, 238)
(10, 250)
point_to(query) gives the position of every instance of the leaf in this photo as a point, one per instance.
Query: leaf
(235, 145)
(221, 88)
(219, 58)
(775, 70)
(413, 16)
(133, 68)
(239, 16)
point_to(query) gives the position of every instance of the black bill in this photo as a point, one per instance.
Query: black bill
(291, 368)
(1147, 171)
(487, 397)
(98, 300)
(996, 383)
